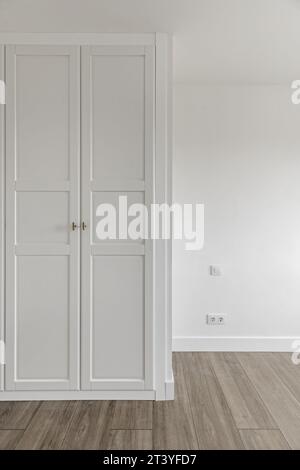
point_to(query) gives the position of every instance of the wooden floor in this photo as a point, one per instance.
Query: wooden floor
(223, 401)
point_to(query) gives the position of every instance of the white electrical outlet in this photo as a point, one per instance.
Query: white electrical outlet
(215, 319)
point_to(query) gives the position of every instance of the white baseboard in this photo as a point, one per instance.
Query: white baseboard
(170, 389)
(235, 343)
(53, 395)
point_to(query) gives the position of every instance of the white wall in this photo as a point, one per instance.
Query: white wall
(237, 150)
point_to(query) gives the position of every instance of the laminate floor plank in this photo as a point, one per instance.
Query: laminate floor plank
(17, 414)
(48, 427)
(9, 439)
(130, 439)
(90, 425)
(132, 414)
(263, 439)
(282, 404)
(288, 372)
(247, 408)
(173, 426)
(222, 401)
(214, 424)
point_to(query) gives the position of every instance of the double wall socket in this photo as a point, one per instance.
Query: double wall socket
(215, 319)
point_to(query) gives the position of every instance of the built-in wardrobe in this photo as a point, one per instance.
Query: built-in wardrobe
(86, 119)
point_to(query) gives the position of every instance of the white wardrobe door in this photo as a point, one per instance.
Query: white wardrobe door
(42, 201)
(2, 179)
(117, 159)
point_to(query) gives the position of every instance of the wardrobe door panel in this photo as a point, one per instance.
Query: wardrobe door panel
(42, 322)
(42, 201)
(42, 93)
(118, 326)
(117, 160)
(112, 198)
(118, 113)
(42, 217)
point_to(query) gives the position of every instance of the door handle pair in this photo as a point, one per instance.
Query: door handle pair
(82, 226)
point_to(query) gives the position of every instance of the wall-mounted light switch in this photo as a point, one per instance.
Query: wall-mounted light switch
(215, 270)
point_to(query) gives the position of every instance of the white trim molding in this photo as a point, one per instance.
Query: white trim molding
(2, 214)
(80, 39)
(162, 248)
(170, 389)
(235, 343)
(54, 395)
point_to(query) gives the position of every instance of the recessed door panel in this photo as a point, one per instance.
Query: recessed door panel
(42, 201)
(117, 323)
(42, 318)
(117, 160)
(107, 199)
(43, 217)
(118, 116)
(42, 99)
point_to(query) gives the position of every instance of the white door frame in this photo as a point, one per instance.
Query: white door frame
(163, 377)
(2, 211)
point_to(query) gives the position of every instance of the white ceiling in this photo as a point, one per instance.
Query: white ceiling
(237, 41)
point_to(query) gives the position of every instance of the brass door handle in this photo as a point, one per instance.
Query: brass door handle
(74, 226)
(83, 225)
